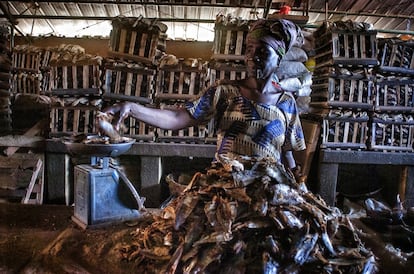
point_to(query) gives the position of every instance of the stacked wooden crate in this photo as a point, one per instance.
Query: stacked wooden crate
(5, 78)
(28, 106)
(180, 80)
(229, 47)
(136, 45)
(72, 71)
(392, 127)
(133, 82)
(343, 83)
(26, 68)
(137, 39)
(75, 86)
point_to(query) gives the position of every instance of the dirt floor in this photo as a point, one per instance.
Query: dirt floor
(44, 239)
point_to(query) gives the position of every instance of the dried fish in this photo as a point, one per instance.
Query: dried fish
(269, 225)
(304, 248)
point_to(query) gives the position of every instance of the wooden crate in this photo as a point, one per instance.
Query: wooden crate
(27, 83)
(134, 40)
(336, 47)
(230, 41)
(396, 56)
(22, 177)
(392, 133)
(344, 130)
(342, 90)
(80, 78)
(73, 120)
(181, 81)
(229, 71)
(138, 130)
(128, 79)
(394, 94)
(194, 134)
(27, 58)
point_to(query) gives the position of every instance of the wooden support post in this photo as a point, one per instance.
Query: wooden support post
(151, 172)
(58, 175)
(327, 178)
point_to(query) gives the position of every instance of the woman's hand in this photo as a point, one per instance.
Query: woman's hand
(120, 111)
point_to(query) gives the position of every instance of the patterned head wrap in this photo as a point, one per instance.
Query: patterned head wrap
(280, 34)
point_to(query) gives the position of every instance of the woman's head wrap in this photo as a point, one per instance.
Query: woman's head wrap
(280, 34)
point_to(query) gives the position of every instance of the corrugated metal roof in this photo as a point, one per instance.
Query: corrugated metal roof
(193, 19)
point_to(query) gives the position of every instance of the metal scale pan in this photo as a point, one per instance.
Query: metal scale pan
(97, 186)
(100, 148)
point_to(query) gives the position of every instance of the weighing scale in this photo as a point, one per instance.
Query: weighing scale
(103, 194)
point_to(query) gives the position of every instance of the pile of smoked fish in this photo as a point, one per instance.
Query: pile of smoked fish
(254, 218)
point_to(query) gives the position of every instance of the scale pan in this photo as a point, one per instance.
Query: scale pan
(77, 148)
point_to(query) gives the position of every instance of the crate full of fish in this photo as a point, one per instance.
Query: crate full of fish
(229, 38)
(180, 79)
(26, 83)
(396, 56)
(345, 130)
(27, 58)
(345, 43)
(136, 129)
(72, 120)
(394, 95)
(135, 39)
(194, 134)
(392, 132)
(76, 76)
(346, 90)
(128, 80)
(225, 71)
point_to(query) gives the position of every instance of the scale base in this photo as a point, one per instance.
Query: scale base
(84, 226)
(101, 198)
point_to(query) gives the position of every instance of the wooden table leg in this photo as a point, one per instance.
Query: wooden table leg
(327, 179)
(58, 179)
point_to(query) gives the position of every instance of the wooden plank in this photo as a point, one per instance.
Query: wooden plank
(122, 40)
(128, 84)
(138, 85)
(38, 127)
(228, 42)
(64, 77)
(39, 196)
(21, 141)
(65, 120)
(86, 76)
(76, 120)
(118, 82)
(130, 57)
(144, 37)
(74, 77)
(180, 83)
(193, 76)
(132, 43)
(239, 43)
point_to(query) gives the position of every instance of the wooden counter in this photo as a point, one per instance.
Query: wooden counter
(60, 185)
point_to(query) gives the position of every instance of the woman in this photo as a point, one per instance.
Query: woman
(254, 117)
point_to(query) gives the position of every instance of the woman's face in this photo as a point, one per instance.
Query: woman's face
(261, 60)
